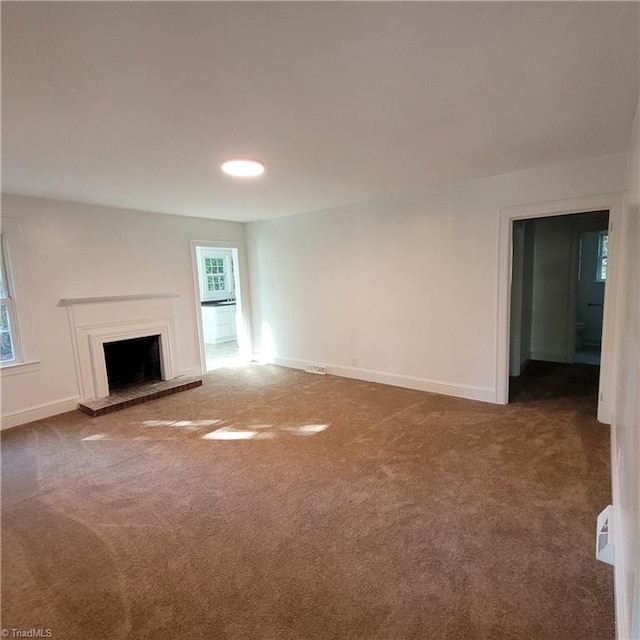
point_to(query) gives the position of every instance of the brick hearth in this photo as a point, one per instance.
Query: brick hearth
(137, 395)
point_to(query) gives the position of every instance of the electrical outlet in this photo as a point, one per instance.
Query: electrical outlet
(354, 362)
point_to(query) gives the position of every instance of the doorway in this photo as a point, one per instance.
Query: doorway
(220, 304)
(562, 346)
(559, 266)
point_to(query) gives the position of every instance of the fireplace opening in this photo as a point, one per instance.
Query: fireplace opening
(133, 361)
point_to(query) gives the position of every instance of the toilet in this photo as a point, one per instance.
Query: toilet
(581, 327)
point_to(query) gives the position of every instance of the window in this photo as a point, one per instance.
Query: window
(7, 312)
(215, 267)
(603, 249)
(216, 278)
(18, 344)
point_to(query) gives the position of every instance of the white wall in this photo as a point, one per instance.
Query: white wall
(626, 423)
(406, 287)
(72, 250)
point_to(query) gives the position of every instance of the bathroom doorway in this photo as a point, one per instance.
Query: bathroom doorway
(612, 203)
(559, 270)
(220, 305)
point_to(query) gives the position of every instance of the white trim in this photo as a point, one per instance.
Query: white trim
(619, 584)
(69, 302)
(612, 202)
(627, 596)
(94, 323)
(469, 392)
(99, 336)
(25, 341)
(38, 412)
(192, 372)
(16, 368)
(610, 333)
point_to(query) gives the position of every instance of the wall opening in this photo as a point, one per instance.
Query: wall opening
(558, 274)
(220, 305)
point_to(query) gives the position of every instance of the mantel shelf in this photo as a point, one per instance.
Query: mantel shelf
(70, 302)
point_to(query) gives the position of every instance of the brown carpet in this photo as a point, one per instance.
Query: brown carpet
(410, 515)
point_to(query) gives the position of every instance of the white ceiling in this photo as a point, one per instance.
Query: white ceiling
(135, 104)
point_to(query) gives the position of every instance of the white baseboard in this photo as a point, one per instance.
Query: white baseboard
(484, 394)
(623, 631)
(193, 372)
(38, 412)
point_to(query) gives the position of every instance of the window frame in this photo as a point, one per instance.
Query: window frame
(7, 298)
(24, 338)
(228, 291)
(603, 254)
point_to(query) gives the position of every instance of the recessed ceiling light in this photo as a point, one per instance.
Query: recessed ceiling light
(243, 168)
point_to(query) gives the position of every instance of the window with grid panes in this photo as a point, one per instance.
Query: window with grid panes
(7, 312)
(215, 271)
(215, 276)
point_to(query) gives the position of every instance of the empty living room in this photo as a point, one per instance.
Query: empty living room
(320, 320)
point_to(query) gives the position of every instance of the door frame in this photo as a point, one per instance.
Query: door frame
(613, 202)
(241, 283)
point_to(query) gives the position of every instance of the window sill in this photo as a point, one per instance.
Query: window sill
(16, 368)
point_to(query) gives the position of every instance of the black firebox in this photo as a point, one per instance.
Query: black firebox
(134, 361)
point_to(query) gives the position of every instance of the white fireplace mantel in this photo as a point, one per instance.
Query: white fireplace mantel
(69, 302)
(99, 320)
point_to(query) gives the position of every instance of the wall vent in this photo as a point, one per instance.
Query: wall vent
(320, 369)
(604, 536)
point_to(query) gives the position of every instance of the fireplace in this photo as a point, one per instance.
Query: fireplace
(124, 350)
(132, 362)
(143, 325)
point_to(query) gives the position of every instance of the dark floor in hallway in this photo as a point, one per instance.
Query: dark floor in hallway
(546, 380)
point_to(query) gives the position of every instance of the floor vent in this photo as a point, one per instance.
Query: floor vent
(604, 537)
(320, 369)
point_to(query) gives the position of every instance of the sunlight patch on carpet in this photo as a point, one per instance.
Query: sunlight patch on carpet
(261, 431)
(193, 424)
(229, 433)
